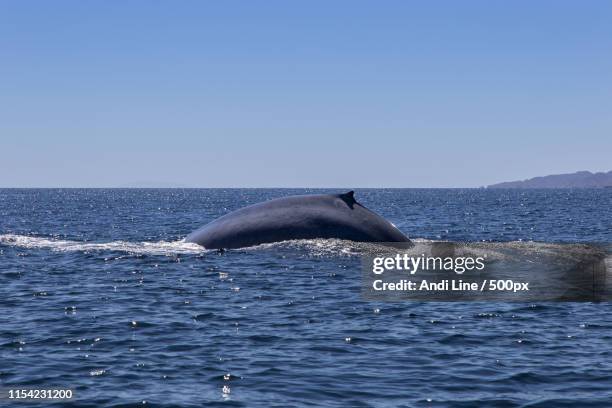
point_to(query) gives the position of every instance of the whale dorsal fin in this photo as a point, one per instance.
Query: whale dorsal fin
(349, 198)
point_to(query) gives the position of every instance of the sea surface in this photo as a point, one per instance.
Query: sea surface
(99, 294)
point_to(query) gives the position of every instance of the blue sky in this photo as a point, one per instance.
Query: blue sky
(305, 94)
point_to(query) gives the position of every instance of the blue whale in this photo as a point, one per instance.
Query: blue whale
(297, 217)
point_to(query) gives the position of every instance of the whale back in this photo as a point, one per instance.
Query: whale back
(297, 217)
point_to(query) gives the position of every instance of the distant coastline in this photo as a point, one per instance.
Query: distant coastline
(580, 179)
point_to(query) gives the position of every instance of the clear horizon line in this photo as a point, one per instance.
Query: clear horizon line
(228, 187)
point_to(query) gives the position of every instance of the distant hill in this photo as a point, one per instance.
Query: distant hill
(581, 179)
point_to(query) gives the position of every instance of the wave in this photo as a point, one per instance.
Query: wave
(313, 247)
(59, 245)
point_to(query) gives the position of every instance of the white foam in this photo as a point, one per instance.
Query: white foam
(145, 248)
(316, 247)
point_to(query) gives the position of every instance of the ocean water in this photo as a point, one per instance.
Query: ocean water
(99, 294)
